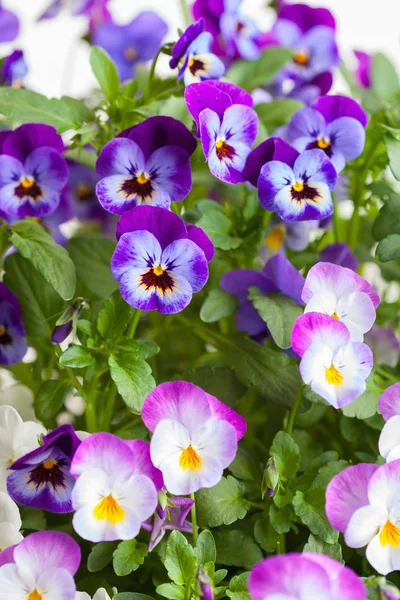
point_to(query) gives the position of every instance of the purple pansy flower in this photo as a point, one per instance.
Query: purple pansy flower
(277, 275)
(41, 478)
(14, 69)
(45, 562)
(146, 164)
(194, 438)
(305, 91)
(193, 52)
(159, 261)
(175, 518)
(33, 172)
(363, 71)
(96, 10)
(339, 254)
(9, 25)
(130, 44)
(13, 344)
(384, 345)
(334, 124)
(301, 576)
(281, 234)
(210, 11)
(242, 38)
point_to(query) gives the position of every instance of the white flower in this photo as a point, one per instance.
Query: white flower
(101, 594)
(10, 522)
(16, 395)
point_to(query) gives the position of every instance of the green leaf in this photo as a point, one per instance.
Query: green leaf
(205, 550)
(218, 227)
(180, 560)
(40, 304)
(128, 557)
(222, 504)
(4, 237)
(276, 113)
(76, 357)
(91, 256)
(389, 248)
(318, 546)
(237, 549)
(105, 72)
(281, 518)
(279, 312)
(132, 596)
(113, 317)
(286, 454)
(250, 74)
(266, 535)
(140, 348)
(100, 556)
(393, 152)
(33, 519)
(217, 381)
(50, 398)
(171, 591)
(385, 81)
(238, 587)
(51, 260)
(310, 508)
(365, 406)
(388, 220)
(133, 379)
(217, 305)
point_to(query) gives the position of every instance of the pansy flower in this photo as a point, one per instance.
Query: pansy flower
(282, 234)
(305, 91)
(331, 364)
(10, 522)
(171, 518)
(42, 566)
(211, 11)
(14, 69)
(33, 172)
(334, 124)
(146, 164)
(389, 407)
(304, 577)
(364, 67)
(41, 478)
(362, 503)
(13, 344)
(384, 345)
(192, 53)
(344, 295)
(194, 438)
(136, 42)
(277, 275)
(9, 25)
(159, 261)
(242, 38)
(115, 491)
(101, 594)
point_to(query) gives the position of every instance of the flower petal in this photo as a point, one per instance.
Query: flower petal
(274, 176)
(185, 259)
(106, 452)
(347, 137)
(169, 168)
(52, 548)
(389, 438)
(48, 168)
(135, 250)
(389, 402)
(315, 327)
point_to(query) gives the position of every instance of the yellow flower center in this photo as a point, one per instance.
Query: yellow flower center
(390, 534)
(34, 596)
(27, 181)
(335, 316)
(142, 179)
(333, 376)
(219, 143)
(275, 237)
(158, 270)
(298, 186)
(189, 459)
(49, 463)
(323, 143)
(130, 53)
(109, 509)
(301, 58)
(3, 330)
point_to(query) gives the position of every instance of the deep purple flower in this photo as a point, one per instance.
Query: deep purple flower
(174, 518)
(146, 164)
(193, 52)
(277, 275)
(9, 25)
(334, 124)
(210, 11)
(33, 172)
(14, 69)
(384, 345)
(273, 148)
(130, 44)
(13, 344)
(242, 38)
(339, 254)
(65, 323)
(41, 478)
(364, 66)
(159, 260)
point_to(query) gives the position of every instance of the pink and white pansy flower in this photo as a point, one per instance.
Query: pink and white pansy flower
(389, 407)
(335, 367)
(342, 294)
(195, 435)
(362, 502)
(116, 487)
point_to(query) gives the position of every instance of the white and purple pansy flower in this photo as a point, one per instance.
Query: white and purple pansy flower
(13, 345)
(194, 438)
(192, 54)
(159, 261)
(331, 364)
(305, 576)
(242, 38)
(389, 407)
(362, 503)
(41, 567)
(41, 478)
(33, 172)
(116, 487)
(334, 124)
(146, 164)
(342, 294)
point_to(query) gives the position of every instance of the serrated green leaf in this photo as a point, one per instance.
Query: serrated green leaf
(180, 560)
(222, 504)
(128, 556)
(100, 556)
(279, 312)
(310, 508)
(113, 317)
(50, 398)
(237, 549)
(388, 220)
(266, 535)
(365, 406)
(105, 72)
(133, 379)
(76, 357)
(237, 589)
(217, 305)
(205, 550)
(389, 248)
(286, 454)
(318, 546)
(281, 518)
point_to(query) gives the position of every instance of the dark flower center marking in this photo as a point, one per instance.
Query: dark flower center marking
(240, 26)
(302, 192)
(130, 54)
(321, 143)
(195, 65)
(224, 150)
(28, 187)
(140, 185)
(157, 278)
(48, 473)
(5, 337)
(301, 58)
(84, 192)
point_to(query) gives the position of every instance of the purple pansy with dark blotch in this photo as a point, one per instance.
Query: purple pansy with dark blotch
(339, 254)
(146, 164)
(277, 275)
(14, 69)
(210, 11)
(193, 53)
(174, 517)
(334, 124)
(41, 478)
(242, 38)
(159, 261)
(363, 70)
(33, 172)
(9, 25)
(273, 148)
(130, 44)
(13, 344)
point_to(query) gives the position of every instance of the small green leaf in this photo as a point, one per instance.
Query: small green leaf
(105, 72)
(385, 80)
(180, 560)
(133, 379)
(286, 454)
(76, 357)
(365, 406)
(281, 518)
(218, 228)
(238, 587)
(310, 508)
(100, 556)
(279, 312)
(171, 591)
(128, 557)
(237, 549)
(222, 504)
(266, 535)
(393, 152)
(205, 550)
(217, 305)
(113, 316)
(389, 248)
(50, 398)
(250, 74)
(388, 220)
(318, 546)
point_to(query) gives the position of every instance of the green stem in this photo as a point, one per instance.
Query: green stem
(185, 12)
(146, 93)
(109, 409)
(194, 519)
(133, 324)
(90, 411)
(281, 546)
(293, 412)
(258, 505)
(336, 234)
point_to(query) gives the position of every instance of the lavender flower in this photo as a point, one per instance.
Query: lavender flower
(13, 344)
(14, 69)
(172, 518)
(364, 66)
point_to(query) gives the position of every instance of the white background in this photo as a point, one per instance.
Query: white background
(58, 59)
